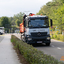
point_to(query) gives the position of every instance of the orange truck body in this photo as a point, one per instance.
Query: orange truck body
(22, 29)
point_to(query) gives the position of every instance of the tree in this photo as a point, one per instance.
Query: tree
(17, 22)
(18, 18)
(55, 11)
(5, 22)
(60, 17)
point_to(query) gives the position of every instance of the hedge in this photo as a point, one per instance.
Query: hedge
(31, 54)
(57, 37)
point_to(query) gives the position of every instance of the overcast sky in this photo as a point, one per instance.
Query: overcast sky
(11, 7)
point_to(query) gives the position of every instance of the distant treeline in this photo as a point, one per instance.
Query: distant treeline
(10, 24)
(14, 21)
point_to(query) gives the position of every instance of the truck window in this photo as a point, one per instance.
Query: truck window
(39, 23)
(26, 23)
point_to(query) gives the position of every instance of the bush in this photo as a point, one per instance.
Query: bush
(54, 36)
(31, 54)
(58, 37)
(61, 38)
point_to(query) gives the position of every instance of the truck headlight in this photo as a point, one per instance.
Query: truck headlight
(28, 35)
(29, 38)
(48, 38)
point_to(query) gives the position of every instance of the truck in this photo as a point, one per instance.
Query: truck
(1, 30)
(35, 29)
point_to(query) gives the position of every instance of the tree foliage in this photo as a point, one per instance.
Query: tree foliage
(10, 23)
(16, 19)
(4, 21)
(55, 11)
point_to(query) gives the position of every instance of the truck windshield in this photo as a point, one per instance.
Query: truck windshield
(39, 23)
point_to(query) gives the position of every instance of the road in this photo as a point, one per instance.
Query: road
(56, 48)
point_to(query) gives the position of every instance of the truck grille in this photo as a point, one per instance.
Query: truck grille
(39, 34)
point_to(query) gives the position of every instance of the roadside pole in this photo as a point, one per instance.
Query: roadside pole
(63, 35)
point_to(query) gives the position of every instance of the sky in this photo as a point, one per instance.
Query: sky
(11, 7)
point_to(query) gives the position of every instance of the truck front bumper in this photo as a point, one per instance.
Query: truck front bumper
(31, 40)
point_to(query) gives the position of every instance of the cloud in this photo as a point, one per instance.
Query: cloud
(11, 7)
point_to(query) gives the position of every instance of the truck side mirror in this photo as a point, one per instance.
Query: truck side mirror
(51, 22)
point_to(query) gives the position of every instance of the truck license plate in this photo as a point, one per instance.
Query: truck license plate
(39, 41)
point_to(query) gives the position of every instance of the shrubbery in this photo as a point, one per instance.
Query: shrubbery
(31, 54)
(57, 36)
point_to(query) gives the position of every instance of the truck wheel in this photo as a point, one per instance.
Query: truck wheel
(1, 33)
(47, 44)
(21, 37)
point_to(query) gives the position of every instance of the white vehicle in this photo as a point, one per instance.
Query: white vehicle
(1, 30)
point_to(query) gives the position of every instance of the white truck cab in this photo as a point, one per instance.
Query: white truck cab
(36, 30)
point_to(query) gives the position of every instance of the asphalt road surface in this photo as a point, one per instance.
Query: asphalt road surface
(56, 48)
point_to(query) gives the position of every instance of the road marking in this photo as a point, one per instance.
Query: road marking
(58, 47)
(52, 45)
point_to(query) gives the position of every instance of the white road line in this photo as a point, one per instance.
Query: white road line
(58, 48)
(52, 45)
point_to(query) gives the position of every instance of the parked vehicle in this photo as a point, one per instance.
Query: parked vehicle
(35, 29)
(1, 30)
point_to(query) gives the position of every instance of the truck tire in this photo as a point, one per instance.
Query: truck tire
(1, 33)
(21, 37)
(47, 44)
